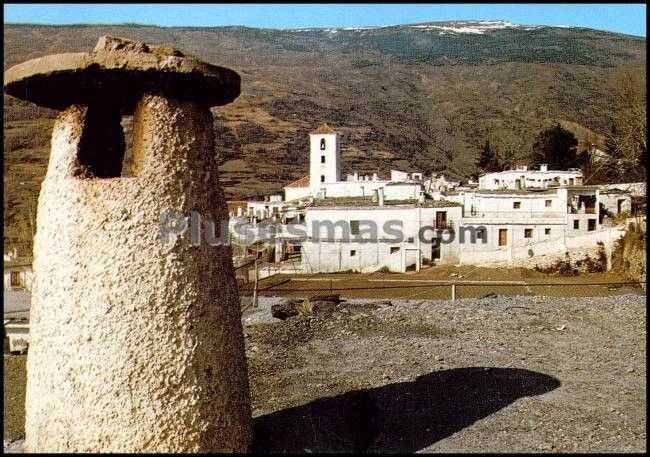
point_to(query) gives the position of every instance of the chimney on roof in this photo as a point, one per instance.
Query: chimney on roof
(543, 167)
(380, 196)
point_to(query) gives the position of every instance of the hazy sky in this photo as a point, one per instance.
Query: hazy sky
(623, 18)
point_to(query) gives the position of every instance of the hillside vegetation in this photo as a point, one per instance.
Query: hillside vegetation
(423, 96)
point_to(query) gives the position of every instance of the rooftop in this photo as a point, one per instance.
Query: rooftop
(18, 262)
(366, 202)
(302, 182)
(532, 171)
(323, 129)
(506, 192)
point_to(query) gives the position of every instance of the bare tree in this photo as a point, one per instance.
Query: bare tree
(630, 135)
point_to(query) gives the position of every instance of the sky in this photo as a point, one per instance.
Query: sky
(622, 18)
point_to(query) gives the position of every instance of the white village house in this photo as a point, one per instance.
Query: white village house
(523, 223)
(523, 178)
(18, 274)
(359, 234)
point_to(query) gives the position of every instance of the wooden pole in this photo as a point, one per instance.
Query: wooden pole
(255, 303)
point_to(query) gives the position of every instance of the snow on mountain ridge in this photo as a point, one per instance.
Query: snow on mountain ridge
(475, 27)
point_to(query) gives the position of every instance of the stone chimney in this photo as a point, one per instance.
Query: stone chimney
(136, 342)
(543, 167)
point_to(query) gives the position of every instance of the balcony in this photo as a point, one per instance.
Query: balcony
(582, 210)
(444, 225)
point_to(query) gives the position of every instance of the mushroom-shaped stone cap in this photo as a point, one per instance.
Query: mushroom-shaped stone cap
(117, 73)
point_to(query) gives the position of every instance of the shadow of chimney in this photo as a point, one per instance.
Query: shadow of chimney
(400, 417)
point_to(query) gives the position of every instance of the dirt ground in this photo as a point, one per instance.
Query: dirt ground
(501, 374)
(492, 375)
(14, 397)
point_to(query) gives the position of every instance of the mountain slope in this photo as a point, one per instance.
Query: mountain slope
(415, 96)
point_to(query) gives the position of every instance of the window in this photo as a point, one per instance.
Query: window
(353, 253)
(547, 231)
(576, 224)
(354, 227)
(393, 250)
(528, 233)
(322, 159)
(411, 240)
(322, 178)
(516, 205)
(15, 278)
(548, 203)
(480, 234)
(322, 144)
(591, 225)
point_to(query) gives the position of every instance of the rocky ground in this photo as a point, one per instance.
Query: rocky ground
(478, 375)
(501, 374)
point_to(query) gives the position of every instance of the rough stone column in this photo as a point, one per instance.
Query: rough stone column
(135, 345)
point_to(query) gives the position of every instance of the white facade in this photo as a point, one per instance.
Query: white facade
(18, 275)
(368, 238)
(522, 178)
(616, 201)
(521, 224)
(296, 193)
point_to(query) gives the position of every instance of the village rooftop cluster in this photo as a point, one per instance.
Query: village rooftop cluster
(318, 224)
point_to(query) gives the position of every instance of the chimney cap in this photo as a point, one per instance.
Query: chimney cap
(117, 73)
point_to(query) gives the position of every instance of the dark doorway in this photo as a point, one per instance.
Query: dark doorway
(435, 249)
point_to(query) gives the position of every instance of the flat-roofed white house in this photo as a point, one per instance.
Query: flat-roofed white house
(18, 274)
(524, 223)
(523, 178)
(359, 234)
